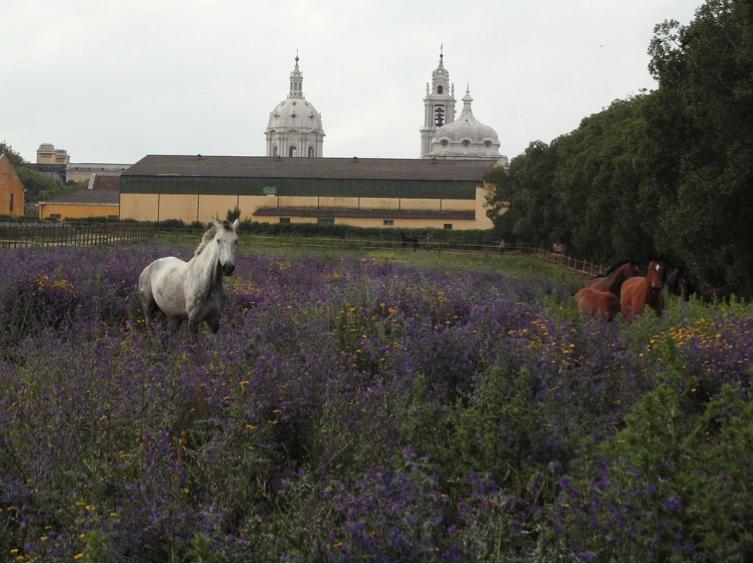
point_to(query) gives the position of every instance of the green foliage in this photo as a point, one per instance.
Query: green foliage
(97, 549)
(39, 186)
(15, 158)
(668, 171)
(669, 483)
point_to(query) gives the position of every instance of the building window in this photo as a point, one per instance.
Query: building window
(439, 116)
(325, 220)
(11, 202)
(487, 143)
(448, 225)
(466, 142)
(439, 89)
(444, 142)
(389, 222)
(284, 220)
(292, 152)
(274, 150)
(311, 151)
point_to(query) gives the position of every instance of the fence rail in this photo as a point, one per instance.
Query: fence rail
(46, 234)
(33, 234)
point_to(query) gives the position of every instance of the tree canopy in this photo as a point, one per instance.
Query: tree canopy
(664, 172)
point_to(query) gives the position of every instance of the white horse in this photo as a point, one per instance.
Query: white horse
(191, 290)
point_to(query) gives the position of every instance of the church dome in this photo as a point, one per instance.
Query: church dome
(295, 127)
(465, 138)
(295, 113)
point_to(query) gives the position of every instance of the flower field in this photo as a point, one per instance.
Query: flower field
(355, 409)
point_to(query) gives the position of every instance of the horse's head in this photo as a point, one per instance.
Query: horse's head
(655, 274)
(226, 240)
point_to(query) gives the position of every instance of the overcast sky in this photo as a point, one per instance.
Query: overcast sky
(112, 81)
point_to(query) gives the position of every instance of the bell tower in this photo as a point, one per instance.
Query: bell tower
(439, 104)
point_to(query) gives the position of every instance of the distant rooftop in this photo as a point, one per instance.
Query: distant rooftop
(87, 197)
(327, 168)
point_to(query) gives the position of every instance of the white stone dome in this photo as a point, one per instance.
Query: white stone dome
(465, 138)
(295, 127)
(295, 114)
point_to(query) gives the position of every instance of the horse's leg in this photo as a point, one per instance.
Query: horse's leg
(194, 320)
(150, 311)
(174, 323)
(658, 304)
(627, 308)
(147, 301)
(213, 322)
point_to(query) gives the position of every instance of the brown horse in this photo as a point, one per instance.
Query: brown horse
(406, 240)
(592, 302)
(638, 291)
(613, 279)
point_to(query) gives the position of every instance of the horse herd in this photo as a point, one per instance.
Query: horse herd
(193, 290)
(625, 289)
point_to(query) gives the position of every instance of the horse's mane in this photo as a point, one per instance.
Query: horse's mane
(209, 235)
(616, 266)
(205, 239)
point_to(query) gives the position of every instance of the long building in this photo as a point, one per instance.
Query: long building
(437, 193)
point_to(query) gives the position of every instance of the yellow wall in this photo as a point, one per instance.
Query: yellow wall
(67, 211)
(176, 206)
(419, 204)
(296, 202)
(139, 206)
(53, 157)
(380, 203)
(405, 223)
(458, 205)
(334, 202)
(10, 184)
(482, 192)
(211, 207)
(249, 204)
(78, 176)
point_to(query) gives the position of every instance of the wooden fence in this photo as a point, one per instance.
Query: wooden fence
(48, 234)
(41, 233)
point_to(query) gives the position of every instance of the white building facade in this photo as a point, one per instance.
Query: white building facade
(466, 138)
(446, 137)
(439, 105)
(295, 127)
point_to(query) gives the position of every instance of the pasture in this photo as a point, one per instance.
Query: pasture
(385, 405)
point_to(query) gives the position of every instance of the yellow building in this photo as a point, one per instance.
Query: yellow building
(81, 204)
(407, 193)
(48, 154)
(52, 162)
(11, 189)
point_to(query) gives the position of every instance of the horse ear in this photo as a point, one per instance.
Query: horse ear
(216, 223)
(236, 223)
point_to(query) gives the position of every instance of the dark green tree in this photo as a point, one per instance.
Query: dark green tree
(705, 74)
(15, 158)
